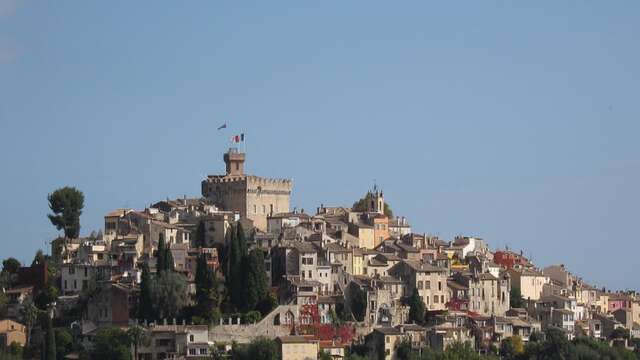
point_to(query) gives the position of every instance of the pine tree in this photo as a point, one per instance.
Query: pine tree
(145, 301)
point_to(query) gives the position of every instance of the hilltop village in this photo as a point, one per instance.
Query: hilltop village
(237, 273)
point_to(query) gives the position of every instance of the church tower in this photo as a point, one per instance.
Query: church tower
(378, 198)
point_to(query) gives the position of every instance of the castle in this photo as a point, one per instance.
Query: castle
(253, 197)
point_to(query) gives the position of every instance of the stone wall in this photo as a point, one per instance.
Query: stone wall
(244, 334)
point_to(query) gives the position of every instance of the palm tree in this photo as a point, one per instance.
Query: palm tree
(29, 314)
(136, 336)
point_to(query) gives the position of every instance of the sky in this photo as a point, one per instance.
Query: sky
(513, 121)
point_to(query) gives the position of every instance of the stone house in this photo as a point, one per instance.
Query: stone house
(430, 281)
(297, 348)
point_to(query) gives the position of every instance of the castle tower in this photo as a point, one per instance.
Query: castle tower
(235, 162)
(253, 197)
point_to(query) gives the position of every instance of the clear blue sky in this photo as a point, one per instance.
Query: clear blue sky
(516, 122)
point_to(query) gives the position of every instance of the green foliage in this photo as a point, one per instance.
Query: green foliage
(516, 300)
(111, 343)
(251, 317)
(254, 281)
(207, 296)
(361, 205)
(39, 258)
(136, 336)
(169, 294)
(417, 308)
(200, 236)
(50, 340)
(10, 265)
(164, 257)
(236, 273)
(619, 333)
(46, 297)
(258, 349)
(64, 343)
(29, 314)
(358, 302)
(66, 204)
(145, 300)
(4, 301)
(323, 355)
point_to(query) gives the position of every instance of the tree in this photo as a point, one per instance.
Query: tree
(136, 335)
(64, 343)
(361, 205)
(111, 343)
(417, 308)
(46, 297)
(254, 280)
(29, 314)
(4, 301)
(234, 275)
(66, 204)
(161, 256)
(145, 301)
(200, 237)
(169, 294)
(516, 300)
(358, 302)
(39, 258)
(50, 340)
(619, 333)
(207, 297)
(10, 265)
(323, 355)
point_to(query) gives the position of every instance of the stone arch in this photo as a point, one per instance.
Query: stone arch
(276, 319)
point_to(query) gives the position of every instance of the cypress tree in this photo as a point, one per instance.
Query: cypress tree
(206, 289)
(416, 310)
(169, 265)
(242, 241)
(50, 342)
(161, 256)
(255, 280)
(200, 240)
(145, 301)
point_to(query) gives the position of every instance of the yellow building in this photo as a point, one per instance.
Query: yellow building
(297, 348)
(10, 332)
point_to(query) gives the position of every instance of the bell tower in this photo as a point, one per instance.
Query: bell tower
(235, 162)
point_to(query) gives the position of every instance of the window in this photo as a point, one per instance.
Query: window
(435, 299)
(387, 339)
(192, 352)
(72, 270)
(439, 285)
(86, 271)
(255, 209)
(427, 285)
(191, 338)
(65, 284)
(442, 299)
(271, 208)
(420, 285)
(264, 209)
(75, 284)
(203, 351)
